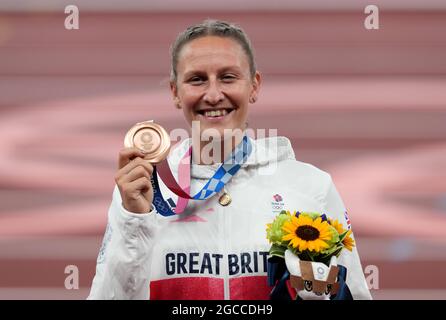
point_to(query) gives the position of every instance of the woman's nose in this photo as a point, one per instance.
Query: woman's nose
(213, 94)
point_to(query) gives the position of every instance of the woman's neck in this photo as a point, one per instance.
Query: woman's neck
(214, 151)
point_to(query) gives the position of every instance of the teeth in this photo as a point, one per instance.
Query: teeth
(216, 113)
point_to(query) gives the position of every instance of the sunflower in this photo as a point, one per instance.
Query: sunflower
(305, 233)
(348, 242)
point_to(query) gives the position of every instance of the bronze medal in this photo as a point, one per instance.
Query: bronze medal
(150, 138)
(225, 199)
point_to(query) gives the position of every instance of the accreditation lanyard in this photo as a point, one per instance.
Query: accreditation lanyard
(216, 183)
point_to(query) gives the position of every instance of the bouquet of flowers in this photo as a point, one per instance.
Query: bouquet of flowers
(309, 243)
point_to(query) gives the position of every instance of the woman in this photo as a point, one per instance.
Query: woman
(213, 250)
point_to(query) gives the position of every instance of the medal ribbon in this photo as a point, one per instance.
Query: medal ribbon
(220, 178)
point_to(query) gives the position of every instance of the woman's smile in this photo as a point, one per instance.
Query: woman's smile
(214, 84)
(215, 115)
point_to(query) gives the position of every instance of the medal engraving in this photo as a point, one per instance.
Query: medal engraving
(150, 138)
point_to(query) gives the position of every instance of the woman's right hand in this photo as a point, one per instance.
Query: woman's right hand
(133, 181)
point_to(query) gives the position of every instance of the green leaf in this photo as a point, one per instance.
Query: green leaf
(277, 250)
(312, 215)
(334, 236)
(275, 233)
(330, 250)
(342, 236)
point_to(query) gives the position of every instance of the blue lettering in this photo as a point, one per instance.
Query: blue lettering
(265, 259)
(206, 264)
(181, 262)
(193, 262)
(170, 264)
(217, 262)
(233, 264)
(245, 261)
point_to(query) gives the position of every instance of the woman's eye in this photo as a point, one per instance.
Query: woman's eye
(195, 80)
(228, 78)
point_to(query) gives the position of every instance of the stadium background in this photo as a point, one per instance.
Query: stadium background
(368, 106)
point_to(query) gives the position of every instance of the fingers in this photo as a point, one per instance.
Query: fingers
(128, 154)
(137, 168)
(136, 162)
(133, 179)
(137, 187)
(138, 172)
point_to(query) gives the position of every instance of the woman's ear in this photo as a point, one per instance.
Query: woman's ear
(257, 81)
(176, 99)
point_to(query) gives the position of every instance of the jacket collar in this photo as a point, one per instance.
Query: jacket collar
(265, 151)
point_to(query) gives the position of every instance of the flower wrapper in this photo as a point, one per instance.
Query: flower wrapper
(303, 257)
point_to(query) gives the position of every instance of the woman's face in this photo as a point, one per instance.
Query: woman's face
(214, 85)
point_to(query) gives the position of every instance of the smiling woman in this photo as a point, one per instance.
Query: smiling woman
(213, 249)
(214, 78)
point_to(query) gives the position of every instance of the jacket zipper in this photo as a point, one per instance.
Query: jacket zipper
(224, 219)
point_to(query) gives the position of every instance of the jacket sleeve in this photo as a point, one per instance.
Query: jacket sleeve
(124, 260)
(334, 207)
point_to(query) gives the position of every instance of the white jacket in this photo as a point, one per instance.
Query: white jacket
(211, 251)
